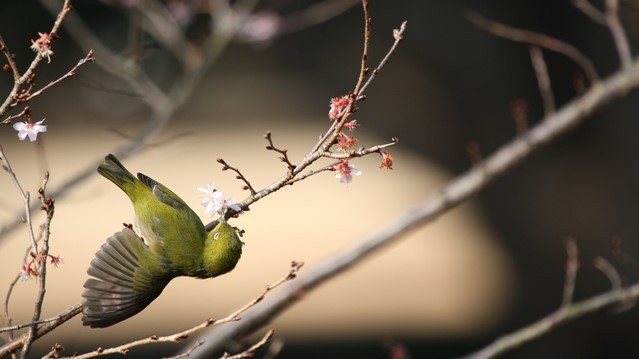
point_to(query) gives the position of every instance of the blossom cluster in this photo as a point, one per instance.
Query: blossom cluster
(345, 170)
(29, 269)
(42, 45)
(214, 201)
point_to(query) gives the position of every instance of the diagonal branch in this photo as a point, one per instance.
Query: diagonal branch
(562, 316)
(449, 196)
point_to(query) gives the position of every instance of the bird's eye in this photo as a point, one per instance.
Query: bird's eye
(216, 236)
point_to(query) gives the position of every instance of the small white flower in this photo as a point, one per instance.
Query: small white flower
(214, 201)
(29, 129)
(345, 174)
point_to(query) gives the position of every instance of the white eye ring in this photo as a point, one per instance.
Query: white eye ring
(216, 236)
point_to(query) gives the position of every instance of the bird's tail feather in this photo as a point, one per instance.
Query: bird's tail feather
(114, 171)
(113, 296)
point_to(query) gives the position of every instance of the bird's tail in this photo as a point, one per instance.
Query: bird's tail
(122, 287)
(114, 171)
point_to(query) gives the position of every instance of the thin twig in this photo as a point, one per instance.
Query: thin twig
(24, 325)
(359, 152)
(313, 172)
(48, 206)
(363, 69)
(618, 33)
(26, 198)
(12, 285)
(283, 152)
(55, 322)
(240, 176)
(25, 113)
(611, 273)
(537, 39)
(7, 299)
(10, 60)
(572, 265)
(591, 11)
(615, 280)
(250, 352)
(189, 351)
(543, 79)
(398, 35)
(562, 316)
(88, 58)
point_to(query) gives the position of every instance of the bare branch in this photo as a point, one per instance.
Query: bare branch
(48, 206)
(26, 197)
(618, 33)
(188, 353)
(560, 317)
(163, 104)
(398, 35)
(10, 60)
(312, 172)
(615, 280)
(174, 338)
(543, 79)
(537, 39)
(591, 11)
(50, 325)
(610, 19)
(329, 138)
(283, 151)
(23, 79)
(449, 196)
(363, 69)
(24, 325)
(359, 152)
(572, 265)
(240, 176)
(606, 268)
(250, 352)
(88, 58)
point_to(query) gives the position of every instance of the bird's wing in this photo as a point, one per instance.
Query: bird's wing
(162, 193)
(124, 283)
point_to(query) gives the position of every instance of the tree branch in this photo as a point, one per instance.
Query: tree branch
(537, 39)
(449, 196)
(562, 316)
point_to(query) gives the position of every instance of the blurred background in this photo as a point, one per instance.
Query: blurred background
(486, 268)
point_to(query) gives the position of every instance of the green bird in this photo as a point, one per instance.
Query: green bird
(133, 267)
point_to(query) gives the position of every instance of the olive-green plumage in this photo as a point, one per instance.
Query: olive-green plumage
(132, 268)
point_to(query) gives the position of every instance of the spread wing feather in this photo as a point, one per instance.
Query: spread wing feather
(114, 294)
